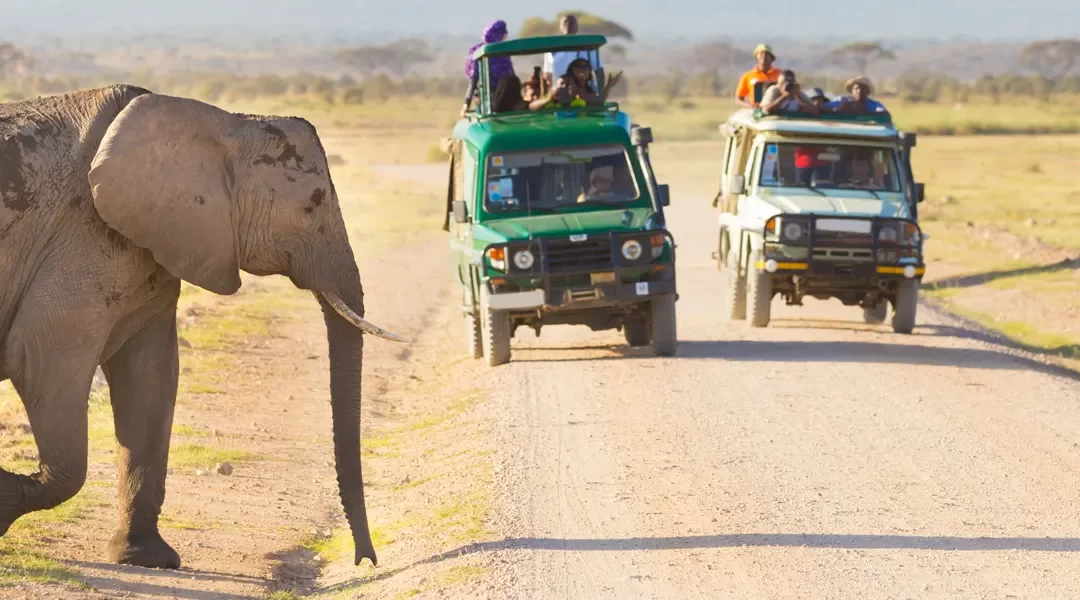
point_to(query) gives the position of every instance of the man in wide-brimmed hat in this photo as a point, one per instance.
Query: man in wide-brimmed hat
(858, 101)
(763, 72)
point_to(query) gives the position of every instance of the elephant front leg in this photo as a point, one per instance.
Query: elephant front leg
(54, 392)
(142, 380)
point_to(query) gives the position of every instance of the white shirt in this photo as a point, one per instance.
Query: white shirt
(557, 63)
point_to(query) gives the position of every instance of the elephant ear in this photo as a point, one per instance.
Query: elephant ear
(162, 177)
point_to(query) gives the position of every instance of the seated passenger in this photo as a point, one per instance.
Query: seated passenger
(575, 88)
(859, 102)
(786, 96)
(508, 95)
(763, 72)
(818, 97)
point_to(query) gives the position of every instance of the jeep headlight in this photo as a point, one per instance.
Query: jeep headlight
(524, 259)
(631, 250)
(888, 235)
(792, 231)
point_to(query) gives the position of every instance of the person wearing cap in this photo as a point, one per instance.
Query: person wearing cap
(818, 98)
(859, 101)
(763, 72)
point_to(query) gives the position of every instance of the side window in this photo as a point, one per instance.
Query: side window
(728, 152)
(751, 168)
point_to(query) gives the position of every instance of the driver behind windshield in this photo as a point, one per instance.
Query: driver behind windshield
(600, 180)
(861, 172)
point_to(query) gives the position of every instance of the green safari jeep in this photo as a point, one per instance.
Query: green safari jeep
(555, 218)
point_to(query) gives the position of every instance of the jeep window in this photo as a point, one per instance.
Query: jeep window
(552, 179)
(830, 166)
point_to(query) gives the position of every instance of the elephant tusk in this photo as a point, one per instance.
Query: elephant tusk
(347, 313)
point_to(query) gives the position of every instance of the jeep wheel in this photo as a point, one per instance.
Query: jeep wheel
(907, 299)
(662, 333)
(759, 293)
(496, 333)
(474, 344)
(733, 290)
(636, 331)
(875, 315)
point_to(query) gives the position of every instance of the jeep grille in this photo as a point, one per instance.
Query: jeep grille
(590, 254)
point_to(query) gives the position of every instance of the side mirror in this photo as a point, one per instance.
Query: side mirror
(737, 185)
(920, 192)
(665, 195)
(641, 136)
(909, 139)
(460, 216)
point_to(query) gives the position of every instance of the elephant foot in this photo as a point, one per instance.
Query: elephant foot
(143, 550)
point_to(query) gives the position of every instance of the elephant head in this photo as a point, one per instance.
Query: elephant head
(210, 192)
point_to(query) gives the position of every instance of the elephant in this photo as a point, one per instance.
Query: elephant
(109, 198)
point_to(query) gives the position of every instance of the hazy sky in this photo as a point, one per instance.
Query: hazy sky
(883, 19)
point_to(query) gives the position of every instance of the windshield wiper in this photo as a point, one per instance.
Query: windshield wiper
(815, 190)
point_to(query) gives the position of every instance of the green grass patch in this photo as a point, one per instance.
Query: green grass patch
(190, 431)
(21, 567)
(283, 595)
(173, 523)
(197, 455)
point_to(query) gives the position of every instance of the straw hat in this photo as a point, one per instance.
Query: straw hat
(766, 49)
(861, 80)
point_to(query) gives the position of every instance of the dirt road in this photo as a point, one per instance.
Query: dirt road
(817, 458)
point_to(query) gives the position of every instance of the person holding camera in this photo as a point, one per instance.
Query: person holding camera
(786, 96)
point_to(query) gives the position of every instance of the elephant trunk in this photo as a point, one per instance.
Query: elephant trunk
(346, 344)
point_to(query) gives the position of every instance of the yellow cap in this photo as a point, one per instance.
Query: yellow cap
(764, 48)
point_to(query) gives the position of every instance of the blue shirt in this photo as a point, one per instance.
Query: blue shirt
(871, 104)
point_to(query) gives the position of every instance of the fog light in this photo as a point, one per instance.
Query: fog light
(771, 266)
(909, 271)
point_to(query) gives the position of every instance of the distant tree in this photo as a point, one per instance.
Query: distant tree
(13, 61)
(587, 23)
(861, 54)
(1051, 58)
(396, 57)
(988, 86)
(715, 56)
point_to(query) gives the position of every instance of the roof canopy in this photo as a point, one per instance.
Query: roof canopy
(540, 45)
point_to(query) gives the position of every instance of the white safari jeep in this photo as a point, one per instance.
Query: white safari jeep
(823, 207)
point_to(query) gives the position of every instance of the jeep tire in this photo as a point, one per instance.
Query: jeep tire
(474, 344)
(636, 331)
(907, 300)
(662, 333)
(759, 293)
(496, 333)
(733, 285)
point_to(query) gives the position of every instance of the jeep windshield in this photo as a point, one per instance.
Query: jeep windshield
(549, 180)
(830, 166)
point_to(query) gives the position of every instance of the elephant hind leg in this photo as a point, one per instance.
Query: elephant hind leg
(142, 378)
(56, 404)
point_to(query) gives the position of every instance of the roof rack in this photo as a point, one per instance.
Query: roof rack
(868, 119)
(557, 112)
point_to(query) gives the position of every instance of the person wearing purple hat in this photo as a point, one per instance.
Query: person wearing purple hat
(498, 66)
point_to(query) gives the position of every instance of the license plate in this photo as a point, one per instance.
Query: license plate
(843, 225)
(602, 278)
(579, 237)
(642, 288)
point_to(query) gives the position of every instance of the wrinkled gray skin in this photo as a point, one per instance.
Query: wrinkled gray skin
(108, 198)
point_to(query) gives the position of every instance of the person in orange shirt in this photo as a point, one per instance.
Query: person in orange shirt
(764, 71)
